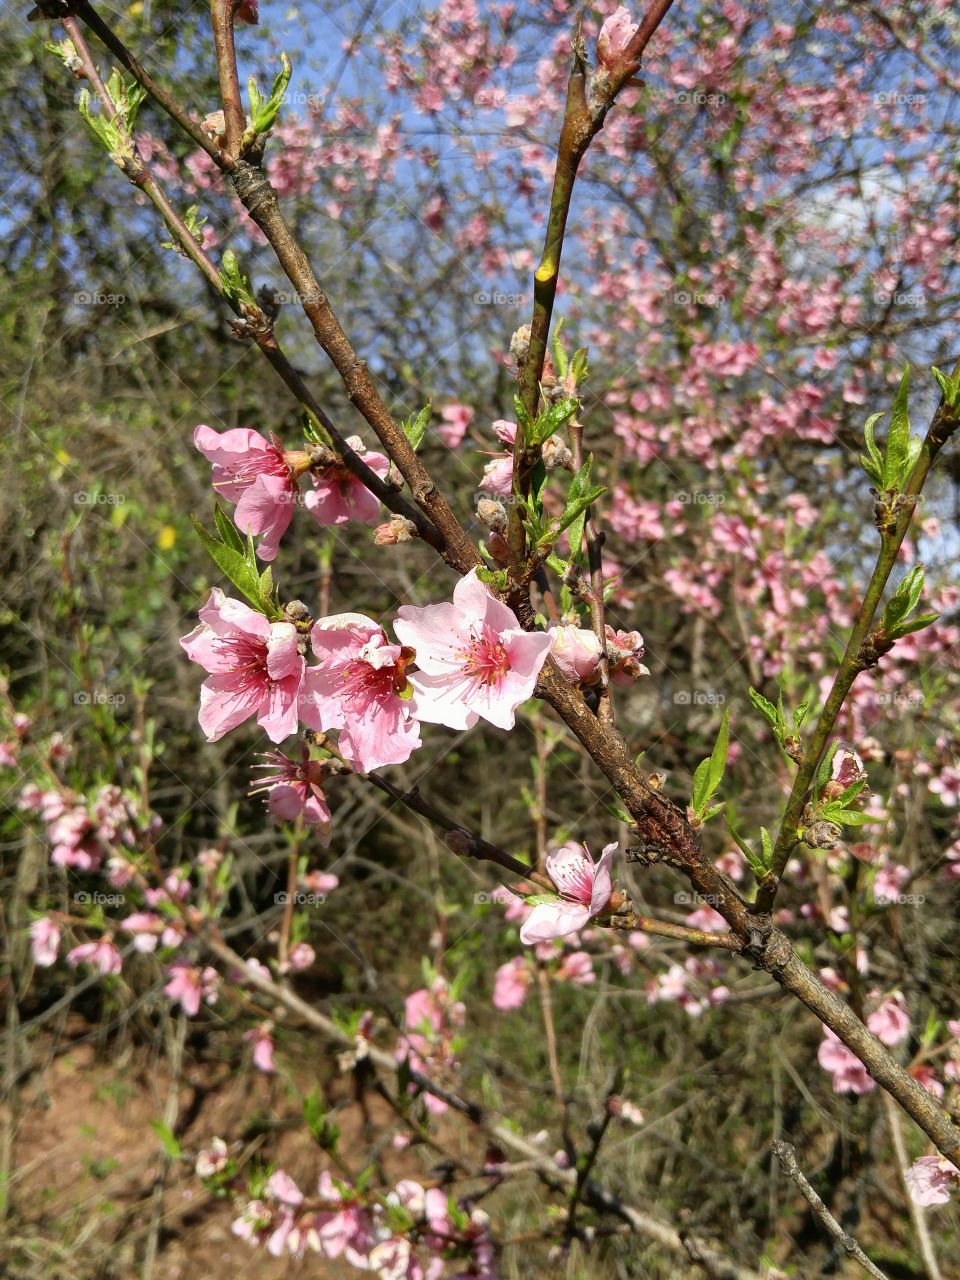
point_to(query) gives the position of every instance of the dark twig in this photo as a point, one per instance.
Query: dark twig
(786, 1154)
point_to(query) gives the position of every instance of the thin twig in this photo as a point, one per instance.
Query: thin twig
(917, 1215)
(787, 1156)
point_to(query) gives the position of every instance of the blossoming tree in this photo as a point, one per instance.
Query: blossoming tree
(739, 331)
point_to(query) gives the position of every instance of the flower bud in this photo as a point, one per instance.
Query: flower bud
(299, 462)
(493, 514)
(214, 125)
(397, 529)
(846, 769)
(822, 835)
(556, 454)
(520, 344)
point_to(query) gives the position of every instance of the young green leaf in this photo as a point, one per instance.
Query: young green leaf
(415, 427)
(769, 712)
(898, 436)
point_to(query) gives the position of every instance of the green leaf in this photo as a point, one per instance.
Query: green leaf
(915, 624)
(235, 284)
(240, 567)
(950, 386)
(898, 436)
(825, 768)
(415, 426)
(700, 796)
(905, 598)
(263, 113)
(801, 713)
(559, 352)
(767, 845)
(718, 758)
(767, 710)
(709, 773)
(168, 1139)
(227, 529)
(873, 462)
(849, 818)
(551, 420)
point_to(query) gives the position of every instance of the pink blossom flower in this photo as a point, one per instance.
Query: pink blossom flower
(320, 882)
(211, 1160)
(624, 651)
(101, 955)
(456, 420)
(890, 1021)
(584, 888)
(576, 652)
(615, 34)
(577, 967)
(255, 667)
(44, 941)
(262, 1042)
(931, 1179)
(302, 955)
(511, 984)
(926, 1076)
(146, 927)
(473, 657)
(190, 985)
(849, 1073)
(258, 476)
(498, 473)
(338, 496)
(346, 1230)
(295, 789)
(359, 687)
(888, 882)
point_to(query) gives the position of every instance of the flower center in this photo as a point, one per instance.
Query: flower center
(248, 657)
(485, 658)
(255, 463)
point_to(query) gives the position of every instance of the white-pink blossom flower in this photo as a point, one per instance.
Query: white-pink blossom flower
(101, 955)
(338, 495)
(474, 660)
(615, 34)
(44, 941)
(511, 983)
(360, 687)
(584, 889)
(257, 475)
(295, 789)
(931, 1180)
(255, 666)
(890, 1021)
(189, 985)
(849, 1073)
(576, 652)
